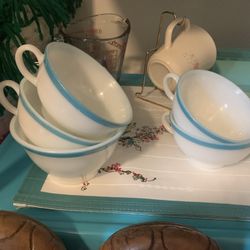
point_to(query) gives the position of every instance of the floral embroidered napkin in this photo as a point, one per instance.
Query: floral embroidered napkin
(148, 164)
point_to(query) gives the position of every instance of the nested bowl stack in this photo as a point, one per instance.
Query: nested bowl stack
(210, 118)
(70, 115)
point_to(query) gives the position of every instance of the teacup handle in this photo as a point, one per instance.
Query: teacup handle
(170, 29)
(3, 99)
(20, 63)
(166, 84)
(166, 122)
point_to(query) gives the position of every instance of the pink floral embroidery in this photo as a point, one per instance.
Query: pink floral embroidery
(116, 167)
(85, 185)
(136, 136)
(133, 137)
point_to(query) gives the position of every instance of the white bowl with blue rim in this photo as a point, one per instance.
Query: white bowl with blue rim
(208, 154)
(77, 92)
(29, 114)
(210, 107)
(67, 167)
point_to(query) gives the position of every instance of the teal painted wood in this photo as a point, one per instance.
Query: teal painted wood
(30, 194)
(14, 166)
(228, 225)
(87, 230)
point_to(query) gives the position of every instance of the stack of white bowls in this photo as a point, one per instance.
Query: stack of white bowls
(70, 115)
(210, 118)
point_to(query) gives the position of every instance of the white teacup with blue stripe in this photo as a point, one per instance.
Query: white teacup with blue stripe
(207, 154)
(39, 131)
(210, 106)
(76, 91)
(67, 166)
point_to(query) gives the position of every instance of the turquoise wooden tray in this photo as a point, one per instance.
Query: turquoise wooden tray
(87, 229)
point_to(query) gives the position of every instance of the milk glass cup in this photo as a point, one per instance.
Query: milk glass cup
(104, 37)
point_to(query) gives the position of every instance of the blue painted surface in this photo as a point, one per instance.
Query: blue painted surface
(87, 230)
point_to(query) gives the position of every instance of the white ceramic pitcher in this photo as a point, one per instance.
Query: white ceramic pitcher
(193, 48)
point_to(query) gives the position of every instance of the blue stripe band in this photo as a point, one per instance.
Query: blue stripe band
(78, 153)
(68, 155)
(207, 144)
(51, 129)
(16, 134)
(198, 125)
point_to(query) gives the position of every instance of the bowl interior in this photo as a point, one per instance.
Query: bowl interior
(88, 82)
(216, 103)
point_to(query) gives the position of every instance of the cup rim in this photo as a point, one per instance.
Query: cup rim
(194, 121)
(57, 83)
(61, 153)
(193, 139)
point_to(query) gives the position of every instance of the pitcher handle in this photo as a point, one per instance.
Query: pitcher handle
(20, 62)
(3, 99)
(169, 32)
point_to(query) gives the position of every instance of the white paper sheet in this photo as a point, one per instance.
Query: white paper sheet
(176, 177)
